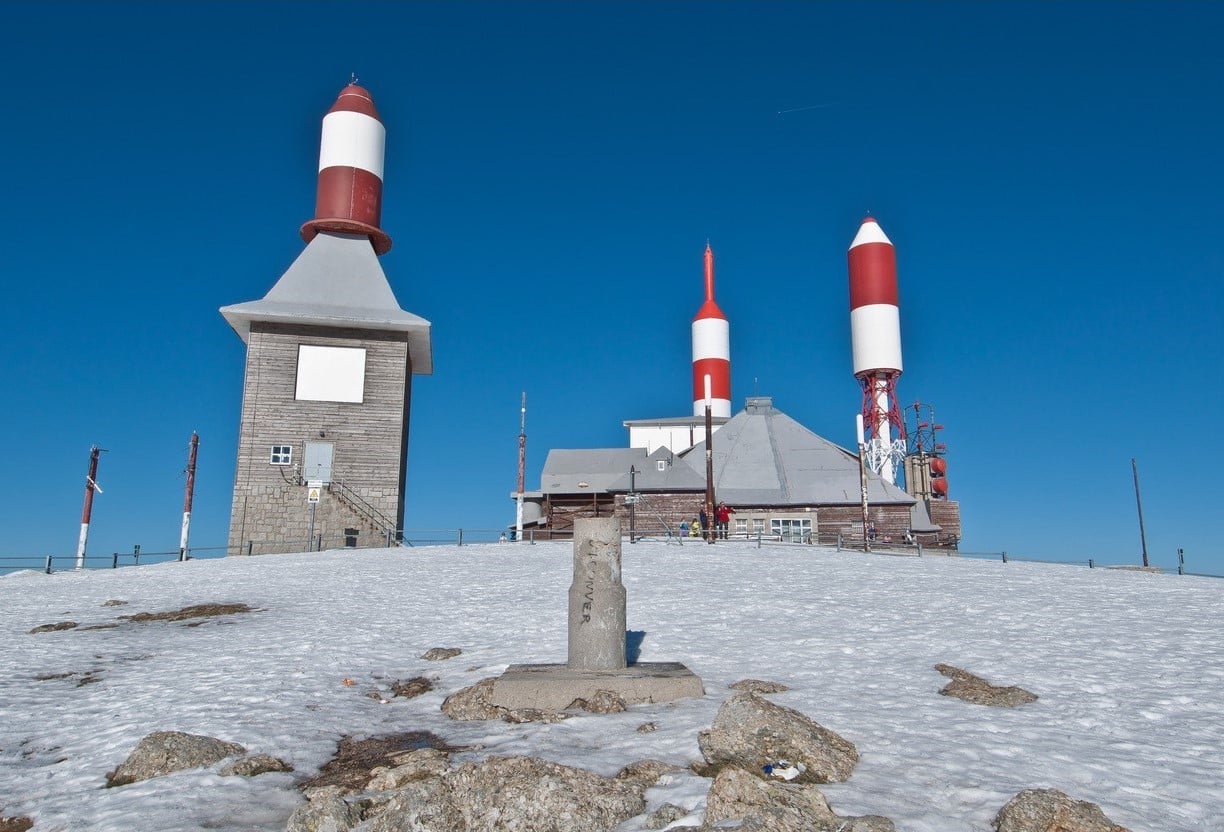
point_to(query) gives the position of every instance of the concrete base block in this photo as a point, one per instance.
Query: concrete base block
(552, 687)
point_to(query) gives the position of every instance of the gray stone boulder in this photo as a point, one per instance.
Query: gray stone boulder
(759, 686)
(254, 765)
(1049, 810)
(526, 794)
(326, 811)
(165, 752)
(779, 807)
(472, 703)
(440, 654)
(54, 628)
(476, 702)
(666, 814)
(421, 764)
(601, 702)
(646, 772)
(499, 794)
(751, 732)
(976, 690)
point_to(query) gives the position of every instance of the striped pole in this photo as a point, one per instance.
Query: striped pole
(711, 351)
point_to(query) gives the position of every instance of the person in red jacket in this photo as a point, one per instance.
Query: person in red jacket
(723, 516)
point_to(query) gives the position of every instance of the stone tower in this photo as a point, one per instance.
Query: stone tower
(323, 440)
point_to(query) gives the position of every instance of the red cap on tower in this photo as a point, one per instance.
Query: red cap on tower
(351, 170)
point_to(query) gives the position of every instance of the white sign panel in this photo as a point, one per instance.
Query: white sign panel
(330, 374)
(312, 495)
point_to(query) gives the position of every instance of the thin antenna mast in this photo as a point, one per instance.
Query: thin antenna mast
(188, 495)
(522, 469)
(91, 485)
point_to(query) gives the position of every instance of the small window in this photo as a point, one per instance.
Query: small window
(662, 463)
(281, 455)
(741, 526)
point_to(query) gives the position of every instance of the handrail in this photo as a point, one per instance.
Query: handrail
(385, 525)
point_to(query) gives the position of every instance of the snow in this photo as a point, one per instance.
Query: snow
(1128, 666)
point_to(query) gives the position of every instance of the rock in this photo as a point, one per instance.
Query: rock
(114, 602)
(1049, 810)
(326, 811)
(438, 654)
(602, 702)
(190, 612)
(647, 728)
(526, 794)
(974, 689)
(51, 628)
(412, 687)
(471, 703)
(420, 764)
(751, 732)
(476, 702)
(254, 765)
(165, 752)
(15, 824)
(521, 715)
(665, 814)
(418, 806)
(646, 772)
(757, 686)
(356, 761)
(779, 807)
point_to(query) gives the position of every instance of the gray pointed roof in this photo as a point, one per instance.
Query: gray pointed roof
(675, 476)
(589, 470)
(337, 281)
(764, 457)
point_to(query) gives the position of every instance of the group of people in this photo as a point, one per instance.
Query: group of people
(699, 526)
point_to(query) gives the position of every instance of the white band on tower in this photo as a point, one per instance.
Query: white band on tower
(352, 140)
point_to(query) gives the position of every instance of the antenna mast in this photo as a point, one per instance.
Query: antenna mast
(522, 468)
(188, 495)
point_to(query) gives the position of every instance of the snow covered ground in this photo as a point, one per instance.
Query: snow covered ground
(1129, 667)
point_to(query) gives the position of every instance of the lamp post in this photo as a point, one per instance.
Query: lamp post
(632, 504)
(709, 438)
(862, 450)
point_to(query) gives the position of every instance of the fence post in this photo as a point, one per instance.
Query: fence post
(136, 554)
(250, 547)
(839, 541)
(461, 537)
(319, 543)
(1005, 557)
(48, 564)
(532, 537)
(114, 560)
(1091, 565)
(1181, 561)
(919, 548)
(758, 540)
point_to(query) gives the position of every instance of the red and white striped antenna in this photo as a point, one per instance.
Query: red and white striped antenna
(875, 333)
(711, 351)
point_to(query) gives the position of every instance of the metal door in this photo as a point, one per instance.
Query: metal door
(318, 465)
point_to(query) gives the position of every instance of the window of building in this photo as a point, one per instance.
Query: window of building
(662, 463)
(791, 529)
(741, 526)
(758, 525)
(281, 455)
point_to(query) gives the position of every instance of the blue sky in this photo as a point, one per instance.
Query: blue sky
(1049, 173)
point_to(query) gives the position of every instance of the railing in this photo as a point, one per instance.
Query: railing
(477, 536)
(363, 507)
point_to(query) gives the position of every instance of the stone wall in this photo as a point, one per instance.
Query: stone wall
(270, 511)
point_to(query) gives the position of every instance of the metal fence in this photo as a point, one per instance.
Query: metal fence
(671, 535)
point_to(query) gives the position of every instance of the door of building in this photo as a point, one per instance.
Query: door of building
(318, 465)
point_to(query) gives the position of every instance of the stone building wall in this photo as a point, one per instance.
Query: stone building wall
(270, 511)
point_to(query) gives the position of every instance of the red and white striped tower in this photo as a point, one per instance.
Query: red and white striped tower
(351, 170)
(711, 351)
(875, 334)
